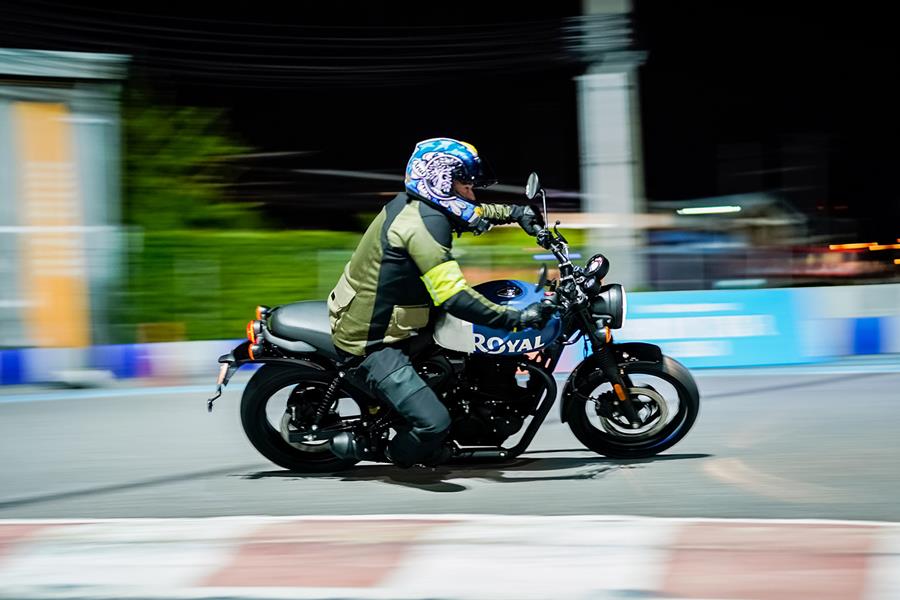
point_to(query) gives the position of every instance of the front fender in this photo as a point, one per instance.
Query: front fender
(630, 352)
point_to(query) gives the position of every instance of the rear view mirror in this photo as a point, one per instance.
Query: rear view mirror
(542, 279)
(532, 186)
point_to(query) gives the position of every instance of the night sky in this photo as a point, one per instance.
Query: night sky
(797, 98)
(810, 88)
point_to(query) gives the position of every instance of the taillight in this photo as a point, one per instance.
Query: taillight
(254, 328)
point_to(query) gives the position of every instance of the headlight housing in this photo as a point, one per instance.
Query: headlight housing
(610, 304)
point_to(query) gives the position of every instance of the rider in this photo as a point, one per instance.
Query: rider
(401, 268)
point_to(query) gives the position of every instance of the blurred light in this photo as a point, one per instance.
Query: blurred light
(857, 246)
(739, 283)
(884, 247)
(708, 210)
(897, 261)
(572, 256)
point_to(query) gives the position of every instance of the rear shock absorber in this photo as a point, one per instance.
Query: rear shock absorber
(327, 399)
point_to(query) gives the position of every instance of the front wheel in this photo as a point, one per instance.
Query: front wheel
(274, 400)
(665, 404)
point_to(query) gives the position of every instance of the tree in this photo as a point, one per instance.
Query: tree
(176, 168)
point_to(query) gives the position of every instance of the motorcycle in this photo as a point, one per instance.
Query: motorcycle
(624, 400)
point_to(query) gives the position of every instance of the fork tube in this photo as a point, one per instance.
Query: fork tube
(610, 368)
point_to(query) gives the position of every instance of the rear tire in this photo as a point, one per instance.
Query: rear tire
(602, 442)
(266, 439)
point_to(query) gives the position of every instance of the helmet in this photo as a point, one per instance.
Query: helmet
(433, 167)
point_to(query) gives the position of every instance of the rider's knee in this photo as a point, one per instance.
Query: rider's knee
(439, 420)
(425, 412)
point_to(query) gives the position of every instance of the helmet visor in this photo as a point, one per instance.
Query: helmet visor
(482, 177)
(486, 177)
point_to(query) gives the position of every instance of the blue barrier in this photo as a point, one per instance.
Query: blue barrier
(719, 328)
(714, 328)
(11, 367)
(867, 335)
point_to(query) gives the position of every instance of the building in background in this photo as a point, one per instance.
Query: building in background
(59, 195)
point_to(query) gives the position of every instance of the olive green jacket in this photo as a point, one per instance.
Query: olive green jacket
(402, 268)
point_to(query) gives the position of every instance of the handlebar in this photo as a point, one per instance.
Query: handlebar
(557, 244)
(566, 291)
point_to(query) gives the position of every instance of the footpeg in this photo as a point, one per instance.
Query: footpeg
(480, 452)
(302, 437)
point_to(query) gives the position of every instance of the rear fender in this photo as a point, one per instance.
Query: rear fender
(240, 356)
(630, 352)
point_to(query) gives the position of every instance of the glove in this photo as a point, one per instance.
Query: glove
(528, 219)
(479, 225)
(536, 315)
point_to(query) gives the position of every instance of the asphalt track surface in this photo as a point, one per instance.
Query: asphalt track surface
(768, 444)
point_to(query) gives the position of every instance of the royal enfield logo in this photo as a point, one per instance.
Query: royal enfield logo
(497, 345)
(509, 291)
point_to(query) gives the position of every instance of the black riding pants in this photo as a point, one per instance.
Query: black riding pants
(390, 376)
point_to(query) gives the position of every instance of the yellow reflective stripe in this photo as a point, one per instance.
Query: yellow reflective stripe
(444, 281)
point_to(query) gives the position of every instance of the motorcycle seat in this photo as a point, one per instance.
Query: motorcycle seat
(305, 322)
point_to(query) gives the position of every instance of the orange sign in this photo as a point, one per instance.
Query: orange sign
(54, 269)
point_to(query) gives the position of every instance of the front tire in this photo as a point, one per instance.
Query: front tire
(583, 420)
(264, 384)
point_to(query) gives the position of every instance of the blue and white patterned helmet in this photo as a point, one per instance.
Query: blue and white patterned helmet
(433, 167)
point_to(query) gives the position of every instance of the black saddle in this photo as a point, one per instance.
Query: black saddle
(305, 322)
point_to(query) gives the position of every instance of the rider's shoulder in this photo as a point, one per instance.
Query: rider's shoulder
(437, 223)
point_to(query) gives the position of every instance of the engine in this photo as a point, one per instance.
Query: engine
(487, 397)
(487, 402)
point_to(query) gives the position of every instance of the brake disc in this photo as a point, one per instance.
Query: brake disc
(651, 422)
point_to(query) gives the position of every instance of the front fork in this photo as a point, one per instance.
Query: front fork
(601, 340)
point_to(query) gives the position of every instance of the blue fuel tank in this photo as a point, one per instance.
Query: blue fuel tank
(518, 295)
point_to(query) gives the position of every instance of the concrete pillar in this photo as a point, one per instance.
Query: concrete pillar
(609, 132)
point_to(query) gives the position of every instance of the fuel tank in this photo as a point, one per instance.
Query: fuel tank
(485, 340)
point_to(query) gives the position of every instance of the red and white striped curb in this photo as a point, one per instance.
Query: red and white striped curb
(449, 556)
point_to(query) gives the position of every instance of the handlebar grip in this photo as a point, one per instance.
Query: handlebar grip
(550, 299)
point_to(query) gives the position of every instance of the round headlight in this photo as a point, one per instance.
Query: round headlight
(610, 304)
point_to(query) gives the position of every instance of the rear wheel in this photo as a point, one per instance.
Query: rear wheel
(665, 408)
(276, 401)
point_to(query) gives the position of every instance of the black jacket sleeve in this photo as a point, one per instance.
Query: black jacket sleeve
(429, 246)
